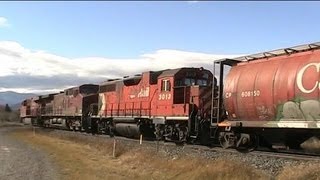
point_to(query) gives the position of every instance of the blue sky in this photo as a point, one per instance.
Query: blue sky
(129, 29)
(50, 46)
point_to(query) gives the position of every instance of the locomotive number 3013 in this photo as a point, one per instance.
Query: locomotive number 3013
(164, 96)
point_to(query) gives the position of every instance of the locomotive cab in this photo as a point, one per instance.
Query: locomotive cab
(193, 87)
(179, 88)
(185, 95)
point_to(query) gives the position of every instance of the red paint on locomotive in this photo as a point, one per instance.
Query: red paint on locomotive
(167, 93)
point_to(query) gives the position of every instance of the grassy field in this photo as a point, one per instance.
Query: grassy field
(300, 172)
(87, 160)
(9, 116)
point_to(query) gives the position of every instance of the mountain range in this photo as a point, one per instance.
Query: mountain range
(13, 99)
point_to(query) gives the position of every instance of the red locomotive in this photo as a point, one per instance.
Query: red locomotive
(169, 101)
(29, 110)
(64, 109)
(270, 98)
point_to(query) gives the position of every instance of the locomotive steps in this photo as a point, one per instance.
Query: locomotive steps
(83, 156)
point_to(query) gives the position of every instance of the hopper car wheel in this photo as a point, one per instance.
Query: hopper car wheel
(250, 144)
(225, 141)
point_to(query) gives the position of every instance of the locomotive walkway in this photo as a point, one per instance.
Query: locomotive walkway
(21, 161)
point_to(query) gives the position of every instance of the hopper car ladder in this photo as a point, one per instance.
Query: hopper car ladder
(217, 108)
(217, 92)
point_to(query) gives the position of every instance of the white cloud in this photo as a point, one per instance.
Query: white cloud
(30, 90)
(4, 22)
(25, 70)
(192, 2)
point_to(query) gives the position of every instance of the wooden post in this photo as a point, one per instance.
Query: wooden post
(140, 139)
(114, 148)
(157, 145)
(34, 131)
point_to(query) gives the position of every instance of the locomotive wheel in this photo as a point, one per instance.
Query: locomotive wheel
(159, 132)
(250, 145)
(111, 130)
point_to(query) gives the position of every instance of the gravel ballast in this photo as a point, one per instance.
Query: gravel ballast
(21, 161)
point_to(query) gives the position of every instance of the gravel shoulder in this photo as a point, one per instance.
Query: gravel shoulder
(22, 161)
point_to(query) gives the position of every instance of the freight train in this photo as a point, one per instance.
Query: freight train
(269, 99)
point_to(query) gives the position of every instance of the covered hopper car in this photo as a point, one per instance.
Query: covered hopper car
(270, 97)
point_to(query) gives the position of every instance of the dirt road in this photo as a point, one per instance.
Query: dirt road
(21, 161)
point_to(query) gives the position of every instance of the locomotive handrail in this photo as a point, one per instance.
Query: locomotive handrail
(154, 93)
(184, 98)
(121, 111)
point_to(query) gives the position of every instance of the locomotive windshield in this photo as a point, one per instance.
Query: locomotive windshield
(191, 82)
(193, 78)
(89, 89)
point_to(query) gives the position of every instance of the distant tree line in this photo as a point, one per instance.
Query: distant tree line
(7, 108)
(7, 114)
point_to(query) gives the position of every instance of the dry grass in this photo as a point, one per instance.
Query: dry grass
(301, 172)
(312, 145)
(80, 159)
(9, 116)
(9, 124)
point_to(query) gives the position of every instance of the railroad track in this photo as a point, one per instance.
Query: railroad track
(293, 154)
(268, 153)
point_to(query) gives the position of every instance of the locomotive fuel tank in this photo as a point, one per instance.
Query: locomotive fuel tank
(128, 129)
(276, 89)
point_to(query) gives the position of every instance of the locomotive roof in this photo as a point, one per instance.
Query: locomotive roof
(164, 73)
(113, 81)
(125, 78)
(169, 72)
(77, 87)
(172, 72)
(47, 96)
(270, 54)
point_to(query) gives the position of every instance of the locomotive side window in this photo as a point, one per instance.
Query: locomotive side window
(165, 85)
